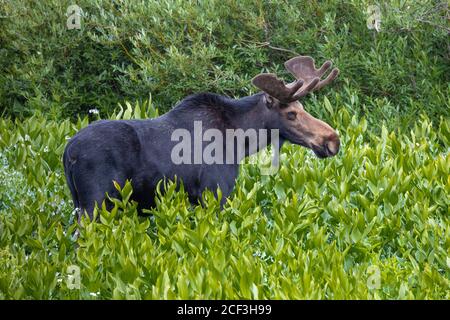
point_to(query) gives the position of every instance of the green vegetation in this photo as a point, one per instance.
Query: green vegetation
(372, 222)
(313, 230)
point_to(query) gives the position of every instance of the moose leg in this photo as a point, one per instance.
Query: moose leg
(92, 186)
(222, 177)
(95, 195)
(90, 195)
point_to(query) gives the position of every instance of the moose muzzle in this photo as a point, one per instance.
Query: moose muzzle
(314, 134)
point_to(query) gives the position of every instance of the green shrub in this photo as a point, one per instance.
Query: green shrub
(317, 229)
(169, 49)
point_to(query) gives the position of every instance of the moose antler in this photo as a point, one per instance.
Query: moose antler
(308, 79)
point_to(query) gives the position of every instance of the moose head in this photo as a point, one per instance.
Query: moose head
(287, 113)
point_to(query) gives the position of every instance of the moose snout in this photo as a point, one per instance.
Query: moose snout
(332, 145)
(329, 146)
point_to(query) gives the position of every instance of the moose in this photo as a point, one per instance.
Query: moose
(141, 150)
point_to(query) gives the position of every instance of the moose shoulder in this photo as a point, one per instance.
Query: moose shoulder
(172, 145)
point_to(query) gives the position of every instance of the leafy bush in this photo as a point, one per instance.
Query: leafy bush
(171, 48)
(318, 229)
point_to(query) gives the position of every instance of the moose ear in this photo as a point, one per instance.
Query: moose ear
(269, 100)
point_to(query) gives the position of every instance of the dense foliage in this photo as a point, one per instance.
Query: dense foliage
(130, 49)
(372, 222)
(316, 229)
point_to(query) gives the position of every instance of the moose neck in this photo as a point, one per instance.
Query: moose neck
(220, 112)
(250, 121)
(248, 114)
(242, 122)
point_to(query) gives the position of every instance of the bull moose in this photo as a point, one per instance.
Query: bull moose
(142, 150)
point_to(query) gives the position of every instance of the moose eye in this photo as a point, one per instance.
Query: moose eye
(291, 115)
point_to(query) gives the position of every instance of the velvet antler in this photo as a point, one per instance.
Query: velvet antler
(308, 79)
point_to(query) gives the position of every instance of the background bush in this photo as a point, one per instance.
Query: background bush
(169, 49)
(315, 230)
